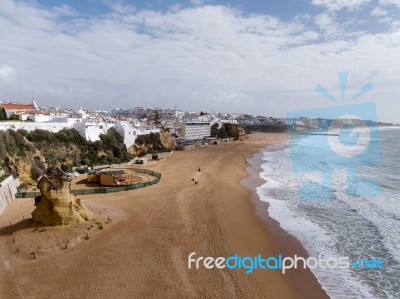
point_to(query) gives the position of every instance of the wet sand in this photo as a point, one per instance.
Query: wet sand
(148, 233)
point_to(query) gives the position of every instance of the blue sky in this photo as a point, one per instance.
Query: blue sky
(260, 57)
(284, 9)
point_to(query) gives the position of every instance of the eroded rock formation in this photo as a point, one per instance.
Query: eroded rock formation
(57, 205)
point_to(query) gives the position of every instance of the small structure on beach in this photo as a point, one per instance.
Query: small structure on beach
(113, 177)
(140, 160)
(57, 205)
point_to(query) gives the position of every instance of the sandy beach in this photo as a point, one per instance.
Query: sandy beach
(148, 233)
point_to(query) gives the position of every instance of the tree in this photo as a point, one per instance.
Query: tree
(214, 130)
(3, 114)
(14, 117)
(113, 144)
(222, 133)
(157, 118)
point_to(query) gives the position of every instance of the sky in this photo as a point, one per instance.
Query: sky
(260, 57)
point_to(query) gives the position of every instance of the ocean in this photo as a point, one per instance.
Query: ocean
(366, 227)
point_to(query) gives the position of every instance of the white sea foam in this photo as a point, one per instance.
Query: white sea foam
(359, 227)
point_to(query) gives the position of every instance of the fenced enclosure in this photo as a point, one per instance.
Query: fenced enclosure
(157, 175)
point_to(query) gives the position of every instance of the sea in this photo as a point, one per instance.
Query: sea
(358, 227)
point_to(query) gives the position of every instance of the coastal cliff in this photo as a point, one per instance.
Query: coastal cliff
(26, 155)
(152, 143)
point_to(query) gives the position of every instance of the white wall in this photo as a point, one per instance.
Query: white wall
(31, 126)
(148, 130)
(70, 121)
(23, 117)
(8, 189)
(39, 118)
(58, 114)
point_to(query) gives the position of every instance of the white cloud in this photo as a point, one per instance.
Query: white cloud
(64, 10)
(199, 58)
(120, 6)
(379, 12)
(390, 2)
(175, 7)
(231, 97)
(197, 2)
(385, 20)
(7, 73)
(335, 5)
(395, 25)
(327, 24)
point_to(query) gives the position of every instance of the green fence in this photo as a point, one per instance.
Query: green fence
(157, 176)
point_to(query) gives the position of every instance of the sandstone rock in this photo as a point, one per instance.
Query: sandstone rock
(57, 205)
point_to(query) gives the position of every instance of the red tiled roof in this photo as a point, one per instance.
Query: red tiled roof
(18, 106)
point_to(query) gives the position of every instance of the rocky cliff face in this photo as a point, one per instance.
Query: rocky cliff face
(27, 155)
(242, 135)
(145, 144)
(167, 140)
(57, 205)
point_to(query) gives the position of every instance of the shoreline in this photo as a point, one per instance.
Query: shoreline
(302, 280)
(144, 251)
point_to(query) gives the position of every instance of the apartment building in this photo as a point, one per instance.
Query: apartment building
(192, 130)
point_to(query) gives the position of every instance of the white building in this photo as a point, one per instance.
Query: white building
(192, 130)
(81, 113)
(89, 127)
(13, 108)
(179, 114)
(138, 111)
(229, 121)
(23, 116)
(39, 117)
(91, 130)
(58, 114)
(167, 114)
(143, 130)
(131, 131)
(128, 132)
(70, 121)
